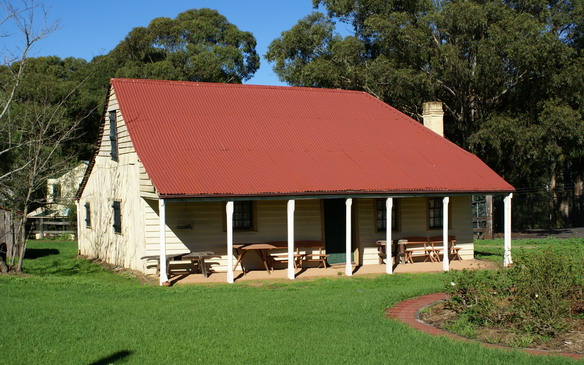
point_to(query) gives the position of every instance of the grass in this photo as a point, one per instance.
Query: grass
(71, 311)
(492, 250)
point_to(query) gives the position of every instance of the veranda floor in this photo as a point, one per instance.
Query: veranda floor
(337, 270)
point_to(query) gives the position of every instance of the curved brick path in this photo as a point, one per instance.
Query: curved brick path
(407, 310)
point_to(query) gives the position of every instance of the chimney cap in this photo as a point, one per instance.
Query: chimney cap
(433, 107)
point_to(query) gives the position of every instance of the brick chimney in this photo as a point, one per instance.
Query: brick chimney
(433, 115)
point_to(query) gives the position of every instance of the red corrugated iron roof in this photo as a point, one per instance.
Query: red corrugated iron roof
(199, 139)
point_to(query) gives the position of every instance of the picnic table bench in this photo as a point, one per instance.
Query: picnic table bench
(197, 259)
(303, 252)
(416, 246)
(438, 247)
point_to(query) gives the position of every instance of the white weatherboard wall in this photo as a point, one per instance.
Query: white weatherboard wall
(412, 221)
(114, 180)
(199, 226)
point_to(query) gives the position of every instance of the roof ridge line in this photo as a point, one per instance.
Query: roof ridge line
(230, 85)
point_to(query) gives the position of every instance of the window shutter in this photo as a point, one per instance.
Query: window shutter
(113, 135)
(87, 215)
(117, 217)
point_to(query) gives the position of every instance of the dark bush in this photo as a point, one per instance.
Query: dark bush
(538, 294)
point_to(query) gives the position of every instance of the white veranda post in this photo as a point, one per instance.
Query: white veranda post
(229, 221)
(388, 238)
(445, 258)
(507, 255)
(162, 227)
(291, 207)
(348, 265)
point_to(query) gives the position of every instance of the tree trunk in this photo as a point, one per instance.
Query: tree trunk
(22, 243)
(3, 266)
(489, 225)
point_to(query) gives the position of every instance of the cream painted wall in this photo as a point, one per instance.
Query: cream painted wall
(412, 221)
(114, 180)
(199, 226)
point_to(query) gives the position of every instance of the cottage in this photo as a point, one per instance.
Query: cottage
(189, 166)
(55, 211)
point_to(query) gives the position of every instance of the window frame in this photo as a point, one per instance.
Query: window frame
(117, 216)
(396, 219)
(56, 192)
(441, 209)
(113, 135)
(253, 219)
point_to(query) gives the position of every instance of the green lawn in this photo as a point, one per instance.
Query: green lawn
(70, 311)
(493, 249)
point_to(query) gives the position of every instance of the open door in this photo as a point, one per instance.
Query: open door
(335, 230)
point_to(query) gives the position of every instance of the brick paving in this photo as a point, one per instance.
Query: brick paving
(407, 312)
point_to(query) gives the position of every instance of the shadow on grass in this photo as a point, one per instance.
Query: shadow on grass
(115, 357)
(35, 253)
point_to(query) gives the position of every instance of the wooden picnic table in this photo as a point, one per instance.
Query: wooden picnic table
(169, 257)
(261, 249)
(198, 258)
(411, 245)
(407, 247)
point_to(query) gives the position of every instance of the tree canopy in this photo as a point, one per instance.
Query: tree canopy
(509, 72)
(198, 45)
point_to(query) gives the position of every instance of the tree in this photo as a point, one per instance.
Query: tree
(34, 127)
(506, 71)
(198, 45)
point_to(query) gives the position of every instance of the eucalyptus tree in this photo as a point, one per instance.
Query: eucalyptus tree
(198, 45)
(509, 73)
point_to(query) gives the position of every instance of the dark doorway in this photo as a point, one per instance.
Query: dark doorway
(335, 230)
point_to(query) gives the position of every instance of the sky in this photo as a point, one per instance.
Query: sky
(91, 28)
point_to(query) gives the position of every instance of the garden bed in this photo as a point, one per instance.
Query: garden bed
(440, 315)
(536, 303)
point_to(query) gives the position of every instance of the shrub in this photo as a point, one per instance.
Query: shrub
(537, 294)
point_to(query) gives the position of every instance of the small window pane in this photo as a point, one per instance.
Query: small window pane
(56, 192)
(435, 213)
(380, 214)
(243, 215)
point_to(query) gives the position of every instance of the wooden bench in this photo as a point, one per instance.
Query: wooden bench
(169, 257)
(381, 251)
(416, 246)
(438, 247)
(303, 252)
(282, 257)
(197, 259)
(320, 256)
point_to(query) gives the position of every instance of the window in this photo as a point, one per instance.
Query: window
(117, 217)
(435, 217)
(243, 215)
(56, 192)
(380, 215)
(87, 215)
(113, 135)
(479, 211)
